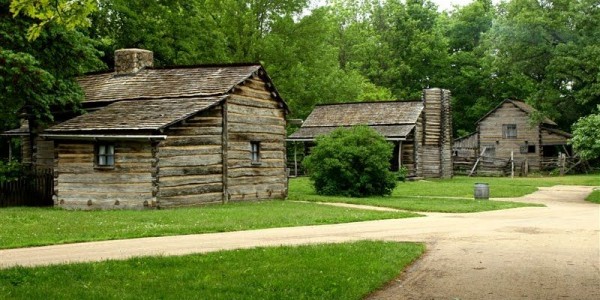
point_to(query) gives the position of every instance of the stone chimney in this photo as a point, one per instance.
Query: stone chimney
(131, 61)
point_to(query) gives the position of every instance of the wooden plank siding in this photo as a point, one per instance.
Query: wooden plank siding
(491, 136)
(190, 161)
(253, 115)
(80, 185)
(551, 138)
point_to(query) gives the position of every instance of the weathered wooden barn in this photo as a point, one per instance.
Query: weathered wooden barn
(168, 137)
(420, 130)
(507, 131)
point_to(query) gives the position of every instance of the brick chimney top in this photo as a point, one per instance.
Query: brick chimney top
(131, 61)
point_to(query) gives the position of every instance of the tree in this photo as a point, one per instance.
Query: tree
(71, 14)
(546, 52)
(36, 76)
(467, 76)
(586, 136)
(351, 162)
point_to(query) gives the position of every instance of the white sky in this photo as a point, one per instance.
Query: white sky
(442, 4)
(447, 4)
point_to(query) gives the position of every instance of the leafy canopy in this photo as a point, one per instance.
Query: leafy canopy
(351, 162)
(38, 75)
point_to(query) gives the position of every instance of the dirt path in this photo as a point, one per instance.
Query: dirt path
(531, 253)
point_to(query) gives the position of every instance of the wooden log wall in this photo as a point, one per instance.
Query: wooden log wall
(26, 149)
(436, 152)
(418, 147)
(44, 154)
(446, 139)
(79, 185)
(190, 162)
(490, 133)
(408, 157)
(253, 115)
(550, 138)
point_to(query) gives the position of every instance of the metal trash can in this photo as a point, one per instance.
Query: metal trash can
(482, 191)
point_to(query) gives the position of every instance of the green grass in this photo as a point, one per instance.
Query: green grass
(500, 187)
(331, 271)
(429, 195)
(594, 196)
(22, 227)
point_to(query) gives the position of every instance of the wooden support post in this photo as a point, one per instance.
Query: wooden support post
(225, 159)
(295, 160)
(512, 164)
(399, 155)
(562, 158)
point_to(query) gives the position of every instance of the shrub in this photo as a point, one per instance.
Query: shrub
(586, 136)
(10, 171)
(402, 173)
(351, 162)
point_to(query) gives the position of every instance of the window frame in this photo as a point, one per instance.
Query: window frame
(255, 149)
(509, 128)
(104, 156)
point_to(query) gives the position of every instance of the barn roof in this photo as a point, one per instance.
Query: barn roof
(156, 83)
(137, 115)
(393, 119)
(526, 108)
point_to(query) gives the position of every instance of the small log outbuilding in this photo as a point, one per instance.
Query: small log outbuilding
(168, 137)
(421, 131)
(507, 131)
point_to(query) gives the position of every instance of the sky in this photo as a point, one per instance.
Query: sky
(442, 4)
(447, 4)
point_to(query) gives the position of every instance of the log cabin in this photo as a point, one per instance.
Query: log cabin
(421, 131)
(168, 137)
(508, 130)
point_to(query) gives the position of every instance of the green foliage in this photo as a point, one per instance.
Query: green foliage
(402, 173)
(10, 171)
(546, 52)
(594, 196)
(329, 271)
(68, 13)
(586, 136)
(351, 162)
(27, 226)
(37, 76)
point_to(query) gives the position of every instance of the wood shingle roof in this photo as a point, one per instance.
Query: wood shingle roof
(392, 119)
(137, 115)
(155, 83)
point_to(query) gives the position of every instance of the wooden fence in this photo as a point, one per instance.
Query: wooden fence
(34, 189)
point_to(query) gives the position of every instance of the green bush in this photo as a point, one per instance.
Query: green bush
(10, 171)
(402, 173)
(351, 162)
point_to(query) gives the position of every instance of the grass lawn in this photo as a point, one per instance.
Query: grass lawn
(426, 195)
(594, 197)
(22, 227)
(330, 271)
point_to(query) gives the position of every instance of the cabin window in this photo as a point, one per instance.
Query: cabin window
(490, 151)
(105, 155)
(509, 131)
(255, 152)
(527, 149)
